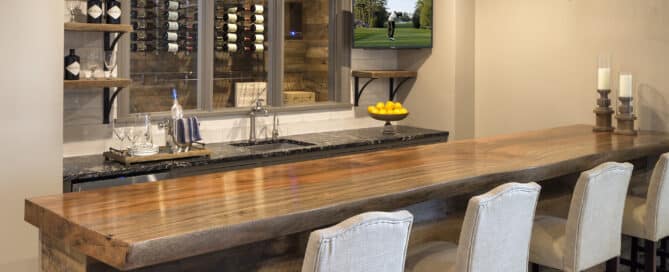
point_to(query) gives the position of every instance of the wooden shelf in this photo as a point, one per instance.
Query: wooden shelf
(97, 83)
(84, 27)
(372, 75)
(384, 74)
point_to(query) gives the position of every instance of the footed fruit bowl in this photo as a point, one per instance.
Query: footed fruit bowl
(388, 112)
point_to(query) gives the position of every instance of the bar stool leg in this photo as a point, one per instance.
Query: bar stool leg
(612, 265)
(534, 267)
(634, 256)
(651, 256)
(663, 259)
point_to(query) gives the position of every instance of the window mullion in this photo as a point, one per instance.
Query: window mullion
(275, 67)
(206, 55)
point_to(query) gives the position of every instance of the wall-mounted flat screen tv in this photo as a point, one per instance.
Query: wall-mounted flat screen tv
(392, 24)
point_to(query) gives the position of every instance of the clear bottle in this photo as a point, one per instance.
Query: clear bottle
(177, 110)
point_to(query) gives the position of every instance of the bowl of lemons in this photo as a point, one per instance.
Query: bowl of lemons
(389, 112)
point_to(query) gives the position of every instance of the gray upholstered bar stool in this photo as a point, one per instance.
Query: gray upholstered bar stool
(495, 235)
(370, 242)
(648, 218)
(591, 233)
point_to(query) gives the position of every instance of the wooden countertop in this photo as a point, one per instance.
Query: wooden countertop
(139, 225)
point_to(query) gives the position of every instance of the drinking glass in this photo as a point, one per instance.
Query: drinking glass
(122, 129)
(142, 136)
(110, 63)
(93, 59)
(73, 6)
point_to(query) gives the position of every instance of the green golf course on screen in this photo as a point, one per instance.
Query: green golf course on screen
(392, 23)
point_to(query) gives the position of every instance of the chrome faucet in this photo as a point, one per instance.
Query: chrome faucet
(275, 128)
(258, 108)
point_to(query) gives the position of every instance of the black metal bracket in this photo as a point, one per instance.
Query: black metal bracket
(358, 90)
(392, 92)
(107, 101)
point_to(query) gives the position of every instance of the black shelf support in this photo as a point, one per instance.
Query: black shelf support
(392, 92)
(107, 101)
(358, 90)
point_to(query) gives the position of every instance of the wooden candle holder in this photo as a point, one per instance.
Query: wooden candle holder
(625, 117)
(604, 113)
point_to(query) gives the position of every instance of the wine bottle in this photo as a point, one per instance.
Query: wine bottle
(172, 5)
(143, 14)
(142, 25)
(149, 4)
(177, 111)
(142, 47)
(257, 19)
(142, 36)
(94, 12)
(257, 9)
(72, 66)
(229, 37)
(171, 37)
(171, 47)
(256, 47)
(229, 28)
(176, 26)
(257, 28)
(228, 47)
(113, 11)
(258, 38)
(175, 16)
(228, 17)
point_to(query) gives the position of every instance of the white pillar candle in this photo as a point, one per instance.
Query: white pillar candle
(625, 85)
(604, 79)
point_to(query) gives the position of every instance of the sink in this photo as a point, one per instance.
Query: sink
(273, 145)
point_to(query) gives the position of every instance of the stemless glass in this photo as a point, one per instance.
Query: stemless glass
(121, 129)
(110, 63)
(143, 136)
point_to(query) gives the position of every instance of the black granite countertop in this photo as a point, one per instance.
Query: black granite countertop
(95, 167)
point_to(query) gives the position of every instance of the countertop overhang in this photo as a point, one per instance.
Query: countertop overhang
(145, 224)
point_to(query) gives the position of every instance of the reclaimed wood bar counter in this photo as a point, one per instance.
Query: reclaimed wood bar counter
(149, 224)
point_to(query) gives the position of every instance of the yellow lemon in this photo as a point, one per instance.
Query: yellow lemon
(383, 112)
(404, 111)
(380, 105)
(390, 105)
(397, 111)
(370, 108)
(398, 105)
(374, 110)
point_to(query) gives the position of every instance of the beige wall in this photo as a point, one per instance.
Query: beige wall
(536, 60)
(442, 96)
(31, 111)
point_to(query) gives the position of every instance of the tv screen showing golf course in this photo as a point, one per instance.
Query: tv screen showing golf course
(392, 23)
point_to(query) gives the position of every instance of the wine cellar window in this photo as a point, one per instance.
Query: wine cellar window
(163, 54)
(240, 53)
(223, 55)
(307, 74)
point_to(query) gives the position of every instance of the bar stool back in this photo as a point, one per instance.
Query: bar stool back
(648, 219)
(495, 234)
(370, 242)
(591, 233)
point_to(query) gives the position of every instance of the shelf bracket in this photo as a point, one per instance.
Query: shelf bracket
(358, 90)
(109, 44)
(108, 103)
(393, 89)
